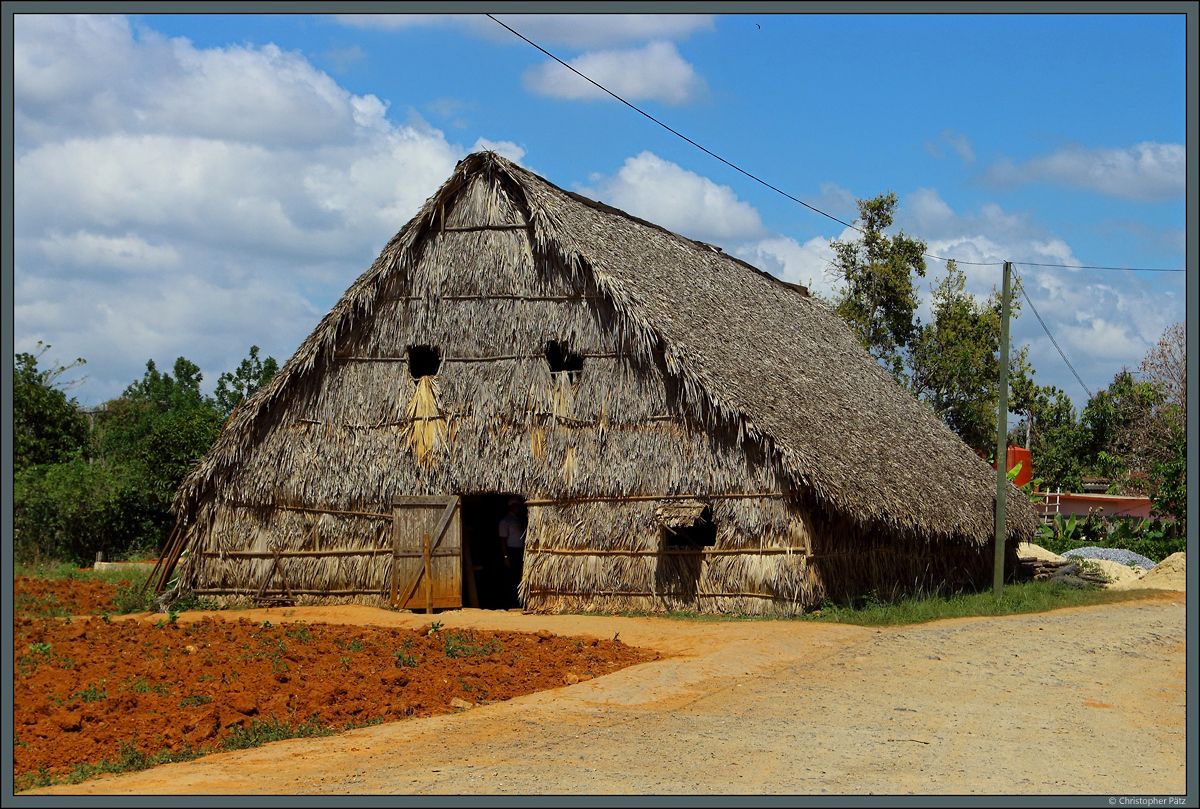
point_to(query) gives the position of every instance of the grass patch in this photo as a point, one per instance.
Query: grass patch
(38, 606)
(131, 598)
(262, 731)
(466, 644)
(1016, 599)
(130, 759)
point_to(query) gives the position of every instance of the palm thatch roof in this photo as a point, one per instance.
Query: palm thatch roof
(751, 352)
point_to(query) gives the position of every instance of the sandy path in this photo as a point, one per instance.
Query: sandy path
(1080, 701)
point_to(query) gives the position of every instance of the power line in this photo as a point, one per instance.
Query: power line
(673, 132)
(1025, 295)
(1089, 267)
(784, 193)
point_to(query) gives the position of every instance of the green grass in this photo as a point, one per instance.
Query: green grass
(1016, 599)
(467, 644)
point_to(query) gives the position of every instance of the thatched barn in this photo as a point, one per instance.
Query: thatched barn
(685, 431)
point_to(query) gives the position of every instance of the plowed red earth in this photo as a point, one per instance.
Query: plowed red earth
(93, 688)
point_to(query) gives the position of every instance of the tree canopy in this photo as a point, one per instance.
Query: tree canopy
(47, 426)
(879, 296)
(950, 363)
(106, 483)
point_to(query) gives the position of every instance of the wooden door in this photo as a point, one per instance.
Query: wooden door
(426, 553)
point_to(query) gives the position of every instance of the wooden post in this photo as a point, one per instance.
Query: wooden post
(395, 555)
(428, 574)
(1002, 438)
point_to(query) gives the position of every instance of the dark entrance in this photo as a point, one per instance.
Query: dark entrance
(481, 515)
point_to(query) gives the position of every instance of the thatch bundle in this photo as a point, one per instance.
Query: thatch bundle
(820, 475)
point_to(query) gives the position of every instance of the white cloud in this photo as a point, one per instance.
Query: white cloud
(655, 72)
(212, 324)
(788, 260)
(1099, 325)
(182, 201)
(1145, 171)
(679, 200)
(573, 30)
(90, 75)
(129, 253)
(956, 141)
(504, 148)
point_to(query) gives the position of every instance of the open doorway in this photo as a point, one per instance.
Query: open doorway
(481, 516)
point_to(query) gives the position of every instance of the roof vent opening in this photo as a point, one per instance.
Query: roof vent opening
(423, 361)
(688, 525)
(562, 360)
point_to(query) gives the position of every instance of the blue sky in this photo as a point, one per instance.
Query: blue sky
(195, 184)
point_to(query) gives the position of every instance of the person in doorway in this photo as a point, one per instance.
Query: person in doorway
(512, 545)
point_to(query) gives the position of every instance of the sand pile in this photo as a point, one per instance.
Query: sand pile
(1029, 549)
(1117, 573)
(1169, 574)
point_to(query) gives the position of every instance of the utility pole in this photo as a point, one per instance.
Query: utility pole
(1002, 437)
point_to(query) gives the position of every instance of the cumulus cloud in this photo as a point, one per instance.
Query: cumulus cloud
(680, 200)
(1098, 326)
(789, 260)
(655, 72)
(174, 200)
(1145, 171)
(129, 253)
(572, 30)
(113, 80)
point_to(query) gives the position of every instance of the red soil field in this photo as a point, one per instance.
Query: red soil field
(97, 687)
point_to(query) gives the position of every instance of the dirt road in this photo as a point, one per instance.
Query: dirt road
(1080, 701)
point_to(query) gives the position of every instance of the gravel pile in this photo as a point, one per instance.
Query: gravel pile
(1120, 555)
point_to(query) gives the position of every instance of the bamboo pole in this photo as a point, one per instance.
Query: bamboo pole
(317, 554)
(668, 552)
(645, 497)
(650, 594)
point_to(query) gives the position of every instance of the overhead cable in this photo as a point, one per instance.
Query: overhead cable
(1025, 295)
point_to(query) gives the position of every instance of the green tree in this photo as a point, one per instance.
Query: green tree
(68, 511)
(251, 375)
(954, 364)
(1055, 436)
(1157, 436)
(879, 297)
(47, 426)
(155, 432)
(1112, 420)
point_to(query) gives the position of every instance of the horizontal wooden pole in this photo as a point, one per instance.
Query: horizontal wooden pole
(668, 552)
(645, 497)
(310, 554)
(644, 594)
(522, 298)
(282, 594)
(494, 358)
(566, 421)
(470, 228)
(372, 514)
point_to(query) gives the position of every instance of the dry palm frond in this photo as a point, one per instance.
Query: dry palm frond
(425, 431)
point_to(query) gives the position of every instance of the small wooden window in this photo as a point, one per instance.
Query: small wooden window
(562, 360)
(423, 361)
